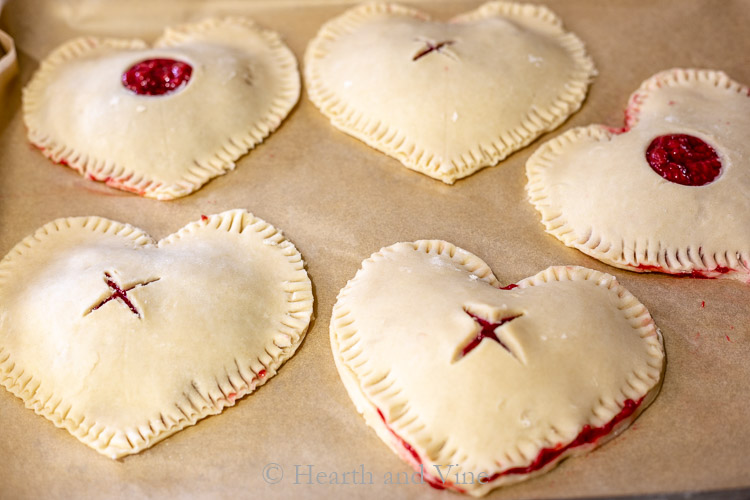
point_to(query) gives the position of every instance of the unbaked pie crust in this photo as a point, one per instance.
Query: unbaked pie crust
(447, 99)
(576, 350)
(202, 318)
(244, 82)
(596, 191)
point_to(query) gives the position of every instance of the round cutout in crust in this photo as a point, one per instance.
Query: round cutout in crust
(597, 191)
(124, 341)
(78, 112)
(447, 98)
(448, 368)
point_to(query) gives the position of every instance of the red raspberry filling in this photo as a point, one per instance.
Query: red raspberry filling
(683, 159)
(487, 332)
(157, 76)
(695, 273)
(119, 294)
(431, 479)
(588, 435)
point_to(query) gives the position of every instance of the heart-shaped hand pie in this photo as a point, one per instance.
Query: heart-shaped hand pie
(161, 121)
(447, 99)
(476, 386)
(123, 341)
(670, 192)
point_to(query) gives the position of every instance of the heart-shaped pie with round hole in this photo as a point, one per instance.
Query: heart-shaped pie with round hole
(478, 386)
(447, 99)
(124, 341)
(161, 121)
(669, 192)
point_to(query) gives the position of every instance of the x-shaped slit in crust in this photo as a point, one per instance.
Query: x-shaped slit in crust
(430, 47)
(119, 293)
(487, 332)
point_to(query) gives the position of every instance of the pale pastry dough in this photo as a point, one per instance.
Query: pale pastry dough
(447, 99)
(124, 341)
(596, 191)
(244, 82)
(576, 350)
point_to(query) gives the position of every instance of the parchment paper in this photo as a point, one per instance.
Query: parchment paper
(339, 201)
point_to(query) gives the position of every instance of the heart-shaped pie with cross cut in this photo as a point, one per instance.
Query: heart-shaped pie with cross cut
(669, 192)
(477, 386)
(124, 341)
(447, 99)
(161, 121)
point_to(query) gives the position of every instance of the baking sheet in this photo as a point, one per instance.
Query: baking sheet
(339, 201)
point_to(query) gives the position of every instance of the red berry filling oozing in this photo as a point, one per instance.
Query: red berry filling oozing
(695, 273)
(431, 479)
(683, 159)
(157, 76)
(588, 435)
